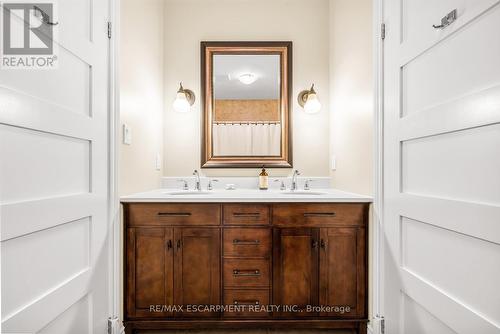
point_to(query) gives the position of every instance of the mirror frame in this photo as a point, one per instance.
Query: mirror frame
(208, 50)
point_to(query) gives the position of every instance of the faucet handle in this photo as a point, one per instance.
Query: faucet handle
(210, 187)
(185, 186)
(306, 185)
(282, 185)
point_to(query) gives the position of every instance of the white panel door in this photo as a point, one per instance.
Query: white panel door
(54, 182)
(441, 264)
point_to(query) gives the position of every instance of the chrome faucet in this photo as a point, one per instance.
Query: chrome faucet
(307, 184)
(185, 184)
(197, 184)
(294, 180)
(282, 185)
(210, 186)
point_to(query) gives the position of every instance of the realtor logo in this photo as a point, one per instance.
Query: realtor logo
(28, 35)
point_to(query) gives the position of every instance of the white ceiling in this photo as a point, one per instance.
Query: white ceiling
(228, 68)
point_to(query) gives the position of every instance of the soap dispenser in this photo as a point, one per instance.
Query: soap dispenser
(263, 179)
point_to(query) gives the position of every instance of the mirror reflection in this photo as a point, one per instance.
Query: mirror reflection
(246, 118)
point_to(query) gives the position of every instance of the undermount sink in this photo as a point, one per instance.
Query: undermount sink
(303, 192)
(189, 192)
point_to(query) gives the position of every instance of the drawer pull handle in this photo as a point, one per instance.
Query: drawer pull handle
(252, 272)
(319, 214)
(246, 302)
(174, 214)
(245, 242)
(246, 214)
(322, 244)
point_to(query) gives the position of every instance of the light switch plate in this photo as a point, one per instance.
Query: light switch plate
(334, 162)
(158, 161)
(127, 135)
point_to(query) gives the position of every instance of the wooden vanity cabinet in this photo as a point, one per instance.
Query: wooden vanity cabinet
(197, 269)
(320, 266)
(295, 269)
(342, 271)
(294, 254)
(171, 266)
(149, 271)
(172, 257)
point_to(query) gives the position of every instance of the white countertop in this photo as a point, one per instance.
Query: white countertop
(246, 195)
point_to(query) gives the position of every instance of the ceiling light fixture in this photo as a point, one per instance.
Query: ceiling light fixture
(247, 78)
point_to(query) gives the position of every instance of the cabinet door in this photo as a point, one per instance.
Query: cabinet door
(342, 271)
(197, 268)
(295, 273)
(149, 272)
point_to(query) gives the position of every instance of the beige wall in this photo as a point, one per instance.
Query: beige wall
(332, 48)
(351, 94)
(305, 22)
(141, 93)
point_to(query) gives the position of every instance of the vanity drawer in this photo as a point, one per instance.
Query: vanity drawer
(300, 214)
(243, 214)
(250, 300)
(145, 214)
(247, 242)
(246, 273)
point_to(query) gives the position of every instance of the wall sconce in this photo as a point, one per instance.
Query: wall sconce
(309, 101)
(184, 100)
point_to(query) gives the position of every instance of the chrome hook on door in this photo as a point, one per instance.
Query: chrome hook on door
(447, 20)
(45, 17)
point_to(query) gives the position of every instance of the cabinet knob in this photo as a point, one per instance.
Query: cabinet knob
(169, 244)
(323, 244)
(314, 244)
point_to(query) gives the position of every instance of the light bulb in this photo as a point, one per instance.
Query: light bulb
(247, 78)
(181, 104)
(312, 104)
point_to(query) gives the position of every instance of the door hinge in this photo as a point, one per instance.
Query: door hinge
(382, 31)
(109, 29)
(114, 326)
(378, 324)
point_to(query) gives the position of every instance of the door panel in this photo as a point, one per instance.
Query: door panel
(425, 78)
(150, 271)
(197, 268)
(426, 164)
(295, 268)
(441, 162)
(445, 246)
(342, 273)
(31, 252)
(70, 154)
(54, 181)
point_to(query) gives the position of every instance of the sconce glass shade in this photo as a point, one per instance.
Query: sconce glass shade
(312, 104)
(309, 101)
(184, 100)
(181, 104)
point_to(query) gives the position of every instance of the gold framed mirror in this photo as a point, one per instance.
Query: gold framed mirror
(246, 104)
